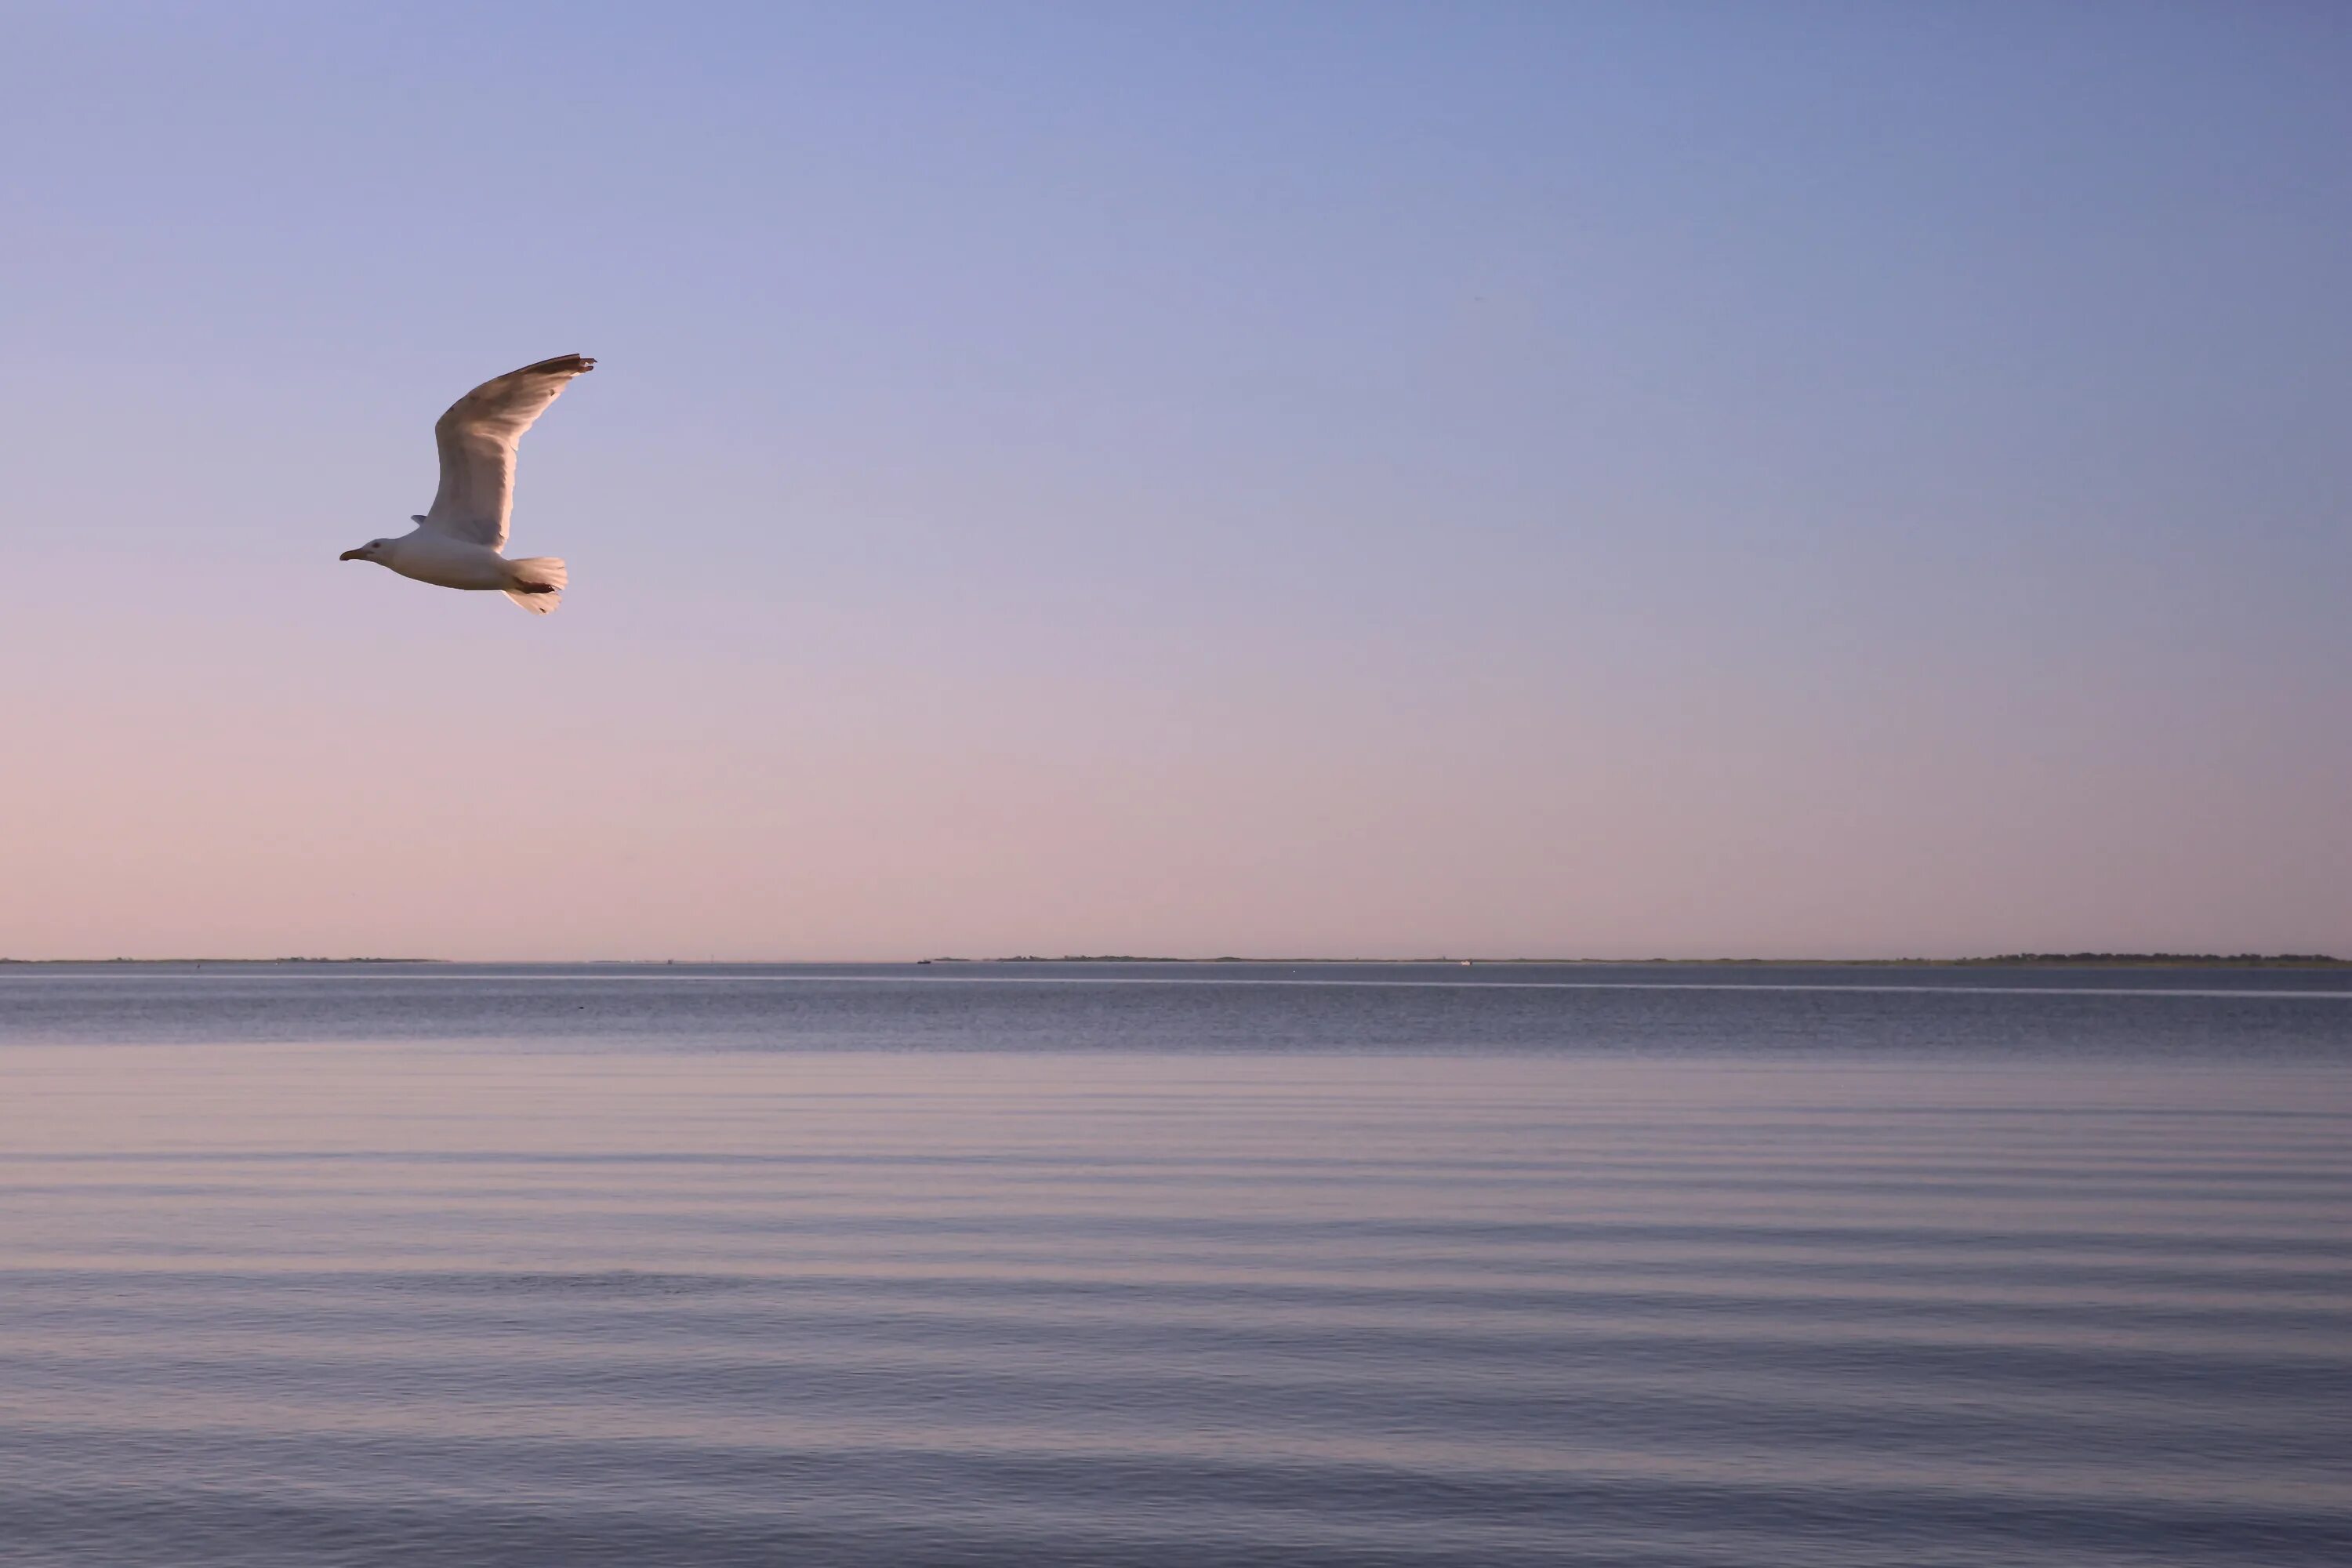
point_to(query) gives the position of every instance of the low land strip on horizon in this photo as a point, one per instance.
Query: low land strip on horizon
(2007, 960)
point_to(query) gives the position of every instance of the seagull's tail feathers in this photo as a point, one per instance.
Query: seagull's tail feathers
(535, 583)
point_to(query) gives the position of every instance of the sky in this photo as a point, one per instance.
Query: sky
(1564, 480)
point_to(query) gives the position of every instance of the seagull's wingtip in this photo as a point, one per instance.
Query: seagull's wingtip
(561, 365)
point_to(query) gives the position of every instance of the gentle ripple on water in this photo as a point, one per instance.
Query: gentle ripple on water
(468, 1304)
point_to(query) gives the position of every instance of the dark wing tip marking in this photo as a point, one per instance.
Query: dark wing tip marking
(561, 365)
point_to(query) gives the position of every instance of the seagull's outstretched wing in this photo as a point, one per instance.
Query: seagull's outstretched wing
(477, 438)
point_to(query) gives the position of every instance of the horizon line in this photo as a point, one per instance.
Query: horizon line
(2085, 958)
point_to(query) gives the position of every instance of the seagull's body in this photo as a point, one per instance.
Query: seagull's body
(459, 544)
(431, 556)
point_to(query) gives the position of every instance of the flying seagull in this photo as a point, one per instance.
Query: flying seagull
(456, 544)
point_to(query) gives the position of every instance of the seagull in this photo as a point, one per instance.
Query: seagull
(456, 544)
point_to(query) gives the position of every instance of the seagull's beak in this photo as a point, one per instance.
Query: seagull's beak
(352, 555)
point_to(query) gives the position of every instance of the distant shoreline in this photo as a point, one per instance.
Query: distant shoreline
(2003, 960)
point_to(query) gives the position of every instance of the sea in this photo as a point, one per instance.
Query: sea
(1364, 1266)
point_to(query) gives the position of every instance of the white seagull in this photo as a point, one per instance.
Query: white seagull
(456, 544)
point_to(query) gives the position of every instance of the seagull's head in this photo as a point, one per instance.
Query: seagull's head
(371, 551)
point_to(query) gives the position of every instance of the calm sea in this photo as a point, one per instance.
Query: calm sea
(1049, 1265)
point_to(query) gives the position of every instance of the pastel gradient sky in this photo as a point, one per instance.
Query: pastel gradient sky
(1278, 479)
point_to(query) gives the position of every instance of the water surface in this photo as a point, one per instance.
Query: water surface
(1130, 1265)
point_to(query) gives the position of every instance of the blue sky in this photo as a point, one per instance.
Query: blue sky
(1569, 479)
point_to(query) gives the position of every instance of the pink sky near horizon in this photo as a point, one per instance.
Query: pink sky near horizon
(605, 800)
